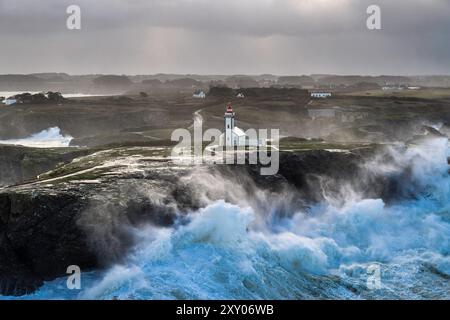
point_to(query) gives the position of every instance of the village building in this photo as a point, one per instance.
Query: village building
(337, 113)
(323, 113)
(392, 88)
(321, 94)
(352, 116)
(199, 94)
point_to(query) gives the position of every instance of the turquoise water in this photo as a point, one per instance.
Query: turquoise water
(328, 251)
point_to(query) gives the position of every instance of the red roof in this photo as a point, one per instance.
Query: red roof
(229, 108)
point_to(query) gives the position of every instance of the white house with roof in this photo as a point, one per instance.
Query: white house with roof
(321, 94)
(322, 113)
(199, 94)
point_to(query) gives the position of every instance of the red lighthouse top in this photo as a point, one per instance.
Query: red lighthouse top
(229, 108)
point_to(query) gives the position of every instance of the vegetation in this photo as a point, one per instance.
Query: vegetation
(112, 81)
(424, 93)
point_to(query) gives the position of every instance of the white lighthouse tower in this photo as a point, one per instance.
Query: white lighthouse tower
(233, 136)
(229, 126)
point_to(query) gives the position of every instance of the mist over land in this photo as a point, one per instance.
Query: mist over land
(118, 84)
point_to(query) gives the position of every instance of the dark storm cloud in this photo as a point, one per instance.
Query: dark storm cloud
(234, 36)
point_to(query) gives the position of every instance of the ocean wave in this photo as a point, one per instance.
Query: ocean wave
(327, 251)
(49, 138)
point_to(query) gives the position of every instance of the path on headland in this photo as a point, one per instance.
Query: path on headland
(197, 119)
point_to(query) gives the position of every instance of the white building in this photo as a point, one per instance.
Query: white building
(391, 88)
(352, 116)
(240, 95)
(234, 136)
(320, 94)
(322, 113)
(199, 95)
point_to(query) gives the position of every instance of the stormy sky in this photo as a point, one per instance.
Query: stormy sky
(284, 37)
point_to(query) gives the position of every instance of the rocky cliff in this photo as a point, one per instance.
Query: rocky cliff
(19, 164)
(83, 212)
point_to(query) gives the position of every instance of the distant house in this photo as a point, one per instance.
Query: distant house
(322, 113)
(240, 95)
(321, 95)
(336, 113)
(199, 95)
(392, 88)
(352, 116)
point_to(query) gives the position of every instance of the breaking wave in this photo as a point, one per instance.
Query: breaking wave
(49, 138)
(65, 95)
(326, 251)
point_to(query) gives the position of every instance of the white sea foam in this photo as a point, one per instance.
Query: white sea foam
(8, 94)
(49, 138)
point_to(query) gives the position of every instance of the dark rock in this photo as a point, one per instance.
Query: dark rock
(40, 239)
(19, 164)
(16, 278)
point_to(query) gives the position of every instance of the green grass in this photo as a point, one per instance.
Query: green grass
(97, 159)
(304, 146)
(426, 93)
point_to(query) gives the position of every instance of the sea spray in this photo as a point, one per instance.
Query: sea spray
(49, 138)
(203, 261)
(326, 251)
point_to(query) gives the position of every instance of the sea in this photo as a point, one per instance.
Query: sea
(354, 248)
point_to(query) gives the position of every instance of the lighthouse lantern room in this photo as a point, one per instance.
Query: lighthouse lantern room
(229, 125)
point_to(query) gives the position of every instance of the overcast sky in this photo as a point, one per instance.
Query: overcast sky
(284, 37)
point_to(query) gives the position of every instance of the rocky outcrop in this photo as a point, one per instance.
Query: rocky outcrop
(47, 226)
(40, 239)
(19, 164)
(86, 217)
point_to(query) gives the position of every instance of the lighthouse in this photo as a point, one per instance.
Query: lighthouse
(229, 125)
(232, 136)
